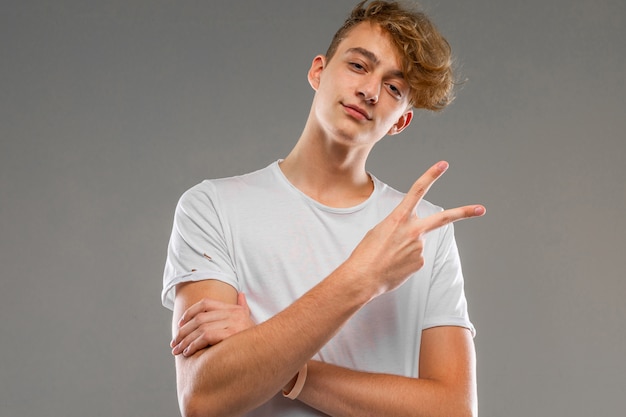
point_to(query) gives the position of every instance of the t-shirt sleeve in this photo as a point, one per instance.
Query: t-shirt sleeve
(447, 305)
(198, 247)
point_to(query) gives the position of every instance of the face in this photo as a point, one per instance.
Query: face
(361, 94)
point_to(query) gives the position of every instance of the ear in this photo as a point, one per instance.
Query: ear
(315, 72)
(403, 122)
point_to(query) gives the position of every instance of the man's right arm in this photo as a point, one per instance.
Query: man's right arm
(247, 369)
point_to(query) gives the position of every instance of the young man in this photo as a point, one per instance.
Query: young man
(354, 300)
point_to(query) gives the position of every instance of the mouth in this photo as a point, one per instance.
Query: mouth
(357, 112)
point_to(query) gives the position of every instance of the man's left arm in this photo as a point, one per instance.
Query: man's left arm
(446, 385)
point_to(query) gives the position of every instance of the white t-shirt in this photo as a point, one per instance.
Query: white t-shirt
(263, 236)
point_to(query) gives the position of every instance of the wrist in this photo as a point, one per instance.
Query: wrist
(360, 286)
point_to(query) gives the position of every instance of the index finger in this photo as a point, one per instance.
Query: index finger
(421, 187)
(206, 304)
(445, 217)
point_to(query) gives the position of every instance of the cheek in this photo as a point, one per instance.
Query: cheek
(395, 113)
(325, 89)
(388, 121)
(385, 125)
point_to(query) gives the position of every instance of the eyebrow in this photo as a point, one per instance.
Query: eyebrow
(366, 53)
(373, 58)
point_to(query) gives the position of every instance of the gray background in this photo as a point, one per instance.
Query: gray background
(110, 110)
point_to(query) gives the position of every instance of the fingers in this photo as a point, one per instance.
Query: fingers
(205, 329)
(199, 339)
(201, 306)
(421, 187)
(451, 215)
(208, 322)
(186, 323)
(241, 301)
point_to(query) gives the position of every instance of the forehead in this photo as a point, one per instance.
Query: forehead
(373, 38)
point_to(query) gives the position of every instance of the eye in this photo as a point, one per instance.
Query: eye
(357, 66)
(394, 90)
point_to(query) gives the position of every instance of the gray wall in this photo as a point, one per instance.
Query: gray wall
(110, 110)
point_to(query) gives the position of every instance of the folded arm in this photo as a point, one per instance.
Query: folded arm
(446, 387)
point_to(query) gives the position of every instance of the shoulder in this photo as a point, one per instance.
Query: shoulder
(210, 191)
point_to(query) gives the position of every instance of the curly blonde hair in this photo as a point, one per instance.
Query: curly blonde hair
(426, 54)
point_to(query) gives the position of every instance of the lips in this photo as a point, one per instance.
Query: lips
(357, 111)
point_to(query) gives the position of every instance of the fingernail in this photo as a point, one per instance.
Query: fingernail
(443, 165)
(479, 211)
(186, 351)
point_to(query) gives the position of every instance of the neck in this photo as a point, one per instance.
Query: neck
(328, 171)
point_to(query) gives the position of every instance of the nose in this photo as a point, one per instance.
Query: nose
(369, 90)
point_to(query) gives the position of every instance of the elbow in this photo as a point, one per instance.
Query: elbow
(190, 406)
(197, 405)
(193, 404)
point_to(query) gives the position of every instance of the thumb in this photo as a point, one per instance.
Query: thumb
(241, 301)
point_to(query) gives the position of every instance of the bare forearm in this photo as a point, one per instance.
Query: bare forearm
(247, 369)
(341, 392)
